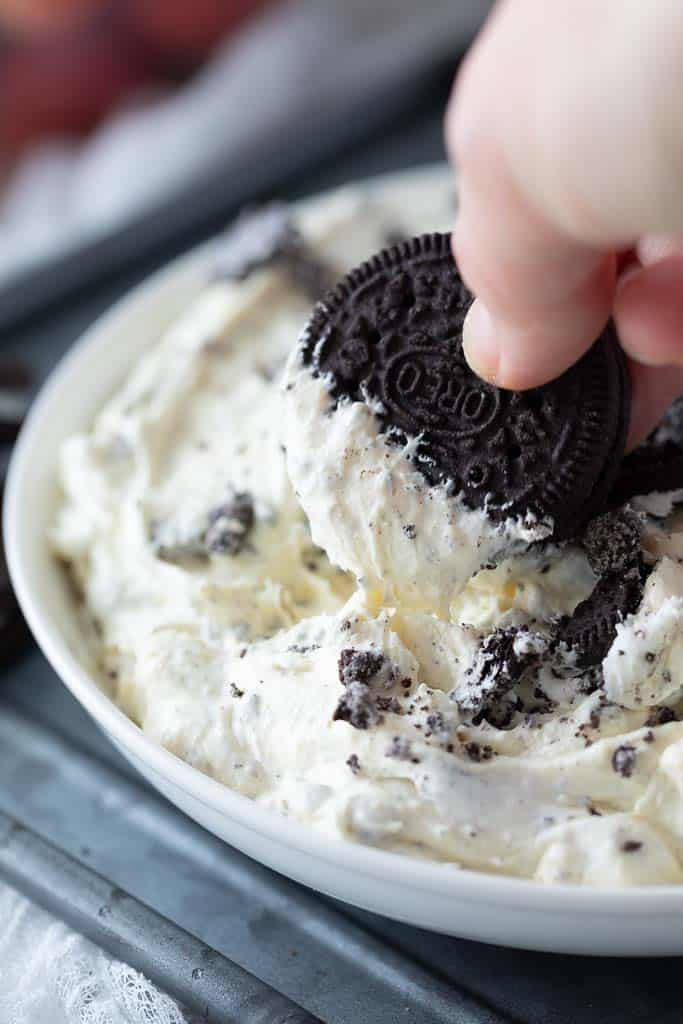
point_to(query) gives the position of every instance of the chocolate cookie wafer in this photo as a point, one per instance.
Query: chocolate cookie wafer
(612, 544)
(390, 335)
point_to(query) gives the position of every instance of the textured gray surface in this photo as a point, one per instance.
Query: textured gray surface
(201, 979)
(63, 779)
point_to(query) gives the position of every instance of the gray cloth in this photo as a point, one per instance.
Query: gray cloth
(303, 62)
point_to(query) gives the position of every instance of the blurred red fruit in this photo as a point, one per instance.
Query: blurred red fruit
(182, 29)
(62, 84)
(63, 80)
(40, 14)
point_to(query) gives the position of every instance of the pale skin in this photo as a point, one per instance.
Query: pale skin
(566, 127)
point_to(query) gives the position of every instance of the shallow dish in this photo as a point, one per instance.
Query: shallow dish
(508, 911)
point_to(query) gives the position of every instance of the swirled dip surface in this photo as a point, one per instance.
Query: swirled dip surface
(365, 680)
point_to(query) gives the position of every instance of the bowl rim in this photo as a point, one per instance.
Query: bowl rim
(434, 877)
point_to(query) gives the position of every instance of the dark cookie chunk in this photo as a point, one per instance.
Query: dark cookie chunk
(612, 542)
(624, 761)
(589, 632)
(502, 660)
(359, 666)
(660, 716)
(438, 727)
(226, 532)
(230, 525)
(357, 705)
(367, 678)
(391, 334)
(260, 238)
(478, 752)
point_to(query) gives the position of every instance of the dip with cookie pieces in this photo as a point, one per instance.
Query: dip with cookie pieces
(326, 565)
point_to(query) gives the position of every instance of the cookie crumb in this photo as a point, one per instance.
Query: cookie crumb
(230, 525)
(478, 752)
(358, 705)
(660, 716)
(401, 750)
(624, 761)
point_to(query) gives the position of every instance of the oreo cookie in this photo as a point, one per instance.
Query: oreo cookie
(657, 464)
(505, 656)
(612, 545)
(390, 334)
(589, 633)
(612, 542)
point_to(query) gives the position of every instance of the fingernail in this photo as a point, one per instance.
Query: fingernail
(479, 343)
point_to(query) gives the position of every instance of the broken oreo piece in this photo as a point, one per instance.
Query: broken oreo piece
(230, 525)
(226, 531)
(505, 655)
(590, 631)
(266, 236)
(390, 335)
(612, 544)
(366, 676)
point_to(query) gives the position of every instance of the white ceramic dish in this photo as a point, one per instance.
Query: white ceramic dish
(640, 921)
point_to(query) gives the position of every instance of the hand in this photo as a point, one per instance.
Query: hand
(566, 123)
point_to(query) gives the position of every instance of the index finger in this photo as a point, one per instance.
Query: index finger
(564, 159)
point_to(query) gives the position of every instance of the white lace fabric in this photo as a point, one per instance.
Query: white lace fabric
(51, 975)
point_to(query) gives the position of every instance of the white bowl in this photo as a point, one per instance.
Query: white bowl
(508, 911)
